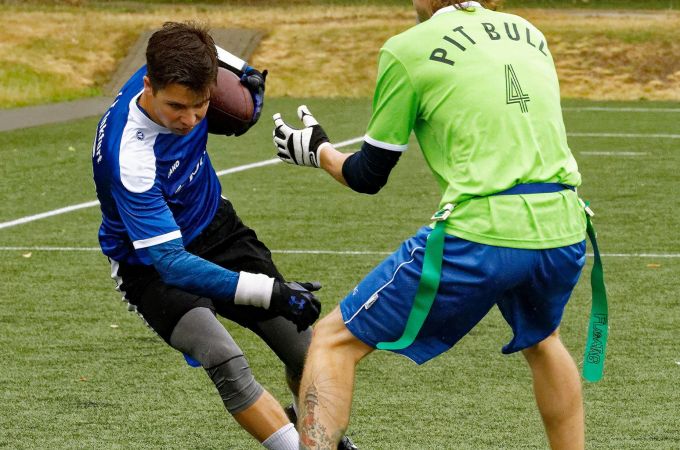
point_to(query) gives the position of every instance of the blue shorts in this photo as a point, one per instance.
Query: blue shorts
(530, 287)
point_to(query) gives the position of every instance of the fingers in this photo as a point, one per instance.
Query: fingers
(311, 286)
(284, 129)
(281, 130)
(278, 121)
(310, 315)
(279, 137)
(306, 116)
(253, 79)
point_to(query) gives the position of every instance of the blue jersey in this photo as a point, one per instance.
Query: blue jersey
(153, 186)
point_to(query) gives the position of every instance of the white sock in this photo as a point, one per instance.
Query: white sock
(286, 438)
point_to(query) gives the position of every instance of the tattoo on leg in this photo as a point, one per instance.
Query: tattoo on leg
(314, 434)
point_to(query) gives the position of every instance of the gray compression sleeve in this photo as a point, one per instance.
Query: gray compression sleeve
(200, 335)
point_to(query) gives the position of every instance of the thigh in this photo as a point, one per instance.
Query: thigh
(534, 308)
(378, 308)
(160, 305)
(200, 335)
(286, 342)
(231, 244)
(332, 337)
(228, 242)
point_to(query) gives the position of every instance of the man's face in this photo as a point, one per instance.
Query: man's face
(423, 9)
(176, 107)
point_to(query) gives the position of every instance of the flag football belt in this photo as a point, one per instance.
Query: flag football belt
(428, 285)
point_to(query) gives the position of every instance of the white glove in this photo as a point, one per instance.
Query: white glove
(300, 147)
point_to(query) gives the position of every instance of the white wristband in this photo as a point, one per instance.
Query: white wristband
(254, 289)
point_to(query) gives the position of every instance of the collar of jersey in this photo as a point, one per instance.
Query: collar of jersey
(144, 119)
(460, 6)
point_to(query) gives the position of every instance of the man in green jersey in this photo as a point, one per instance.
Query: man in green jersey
(479, 90)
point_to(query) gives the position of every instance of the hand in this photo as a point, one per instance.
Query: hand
(295, 302)
(254, 80)
(300, 147)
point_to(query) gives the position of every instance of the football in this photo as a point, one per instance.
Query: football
(231, 105)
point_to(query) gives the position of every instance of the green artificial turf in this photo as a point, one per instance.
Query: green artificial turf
(79, 371)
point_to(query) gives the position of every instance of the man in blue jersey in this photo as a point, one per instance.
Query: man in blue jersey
(479, 90)
(178, 251)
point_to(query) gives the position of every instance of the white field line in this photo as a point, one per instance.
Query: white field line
(67, 209)
(623, 109)
(44, 215)
(323, 252)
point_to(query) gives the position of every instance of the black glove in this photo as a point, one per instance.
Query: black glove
(254, 80)
(295, 302)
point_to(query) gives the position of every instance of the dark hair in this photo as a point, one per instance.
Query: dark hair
(181, 53)
(489, 4)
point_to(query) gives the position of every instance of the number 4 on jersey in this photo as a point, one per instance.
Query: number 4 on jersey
(513, 90)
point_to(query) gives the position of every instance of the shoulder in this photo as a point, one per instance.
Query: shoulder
(403, 42)
(137, 158)
(507, 19)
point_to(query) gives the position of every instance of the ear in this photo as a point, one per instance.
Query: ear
(148, 89)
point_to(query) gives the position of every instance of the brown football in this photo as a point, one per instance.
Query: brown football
(231, 105)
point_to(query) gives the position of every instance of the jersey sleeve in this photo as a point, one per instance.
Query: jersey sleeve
(146, 216)
(395, 105)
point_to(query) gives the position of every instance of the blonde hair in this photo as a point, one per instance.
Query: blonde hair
(488, 4)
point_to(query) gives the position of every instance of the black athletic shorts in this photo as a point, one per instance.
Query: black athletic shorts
(226, 242)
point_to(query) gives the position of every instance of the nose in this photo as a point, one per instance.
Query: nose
(191, 118)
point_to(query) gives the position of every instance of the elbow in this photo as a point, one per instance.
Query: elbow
(370, 189)
(164, 259)
(367, 170)
(164, 269)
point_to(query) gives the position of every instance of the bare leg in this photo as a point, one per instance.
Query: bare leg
(262, 418)
(328, 383)
(557, 387)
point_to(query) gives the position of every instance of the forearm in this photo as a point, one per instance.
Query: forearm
(181, 269)
(332, 160)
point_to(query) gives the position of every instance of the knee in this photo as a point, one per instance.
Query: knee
(546, 345)
(330, 331)
(235, 383)
(211, 353)
(331, 336)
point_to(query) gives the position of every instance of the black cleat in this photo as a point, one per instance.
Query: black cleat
(344, 444)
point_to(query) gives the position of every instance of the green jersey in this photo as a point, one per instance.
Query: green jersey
(480, 91)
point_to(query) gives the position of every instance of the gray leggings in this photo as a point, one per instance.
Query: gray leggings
(200, 335)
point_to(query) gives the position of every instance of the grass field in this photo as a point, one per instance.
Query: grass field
(79, 371)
